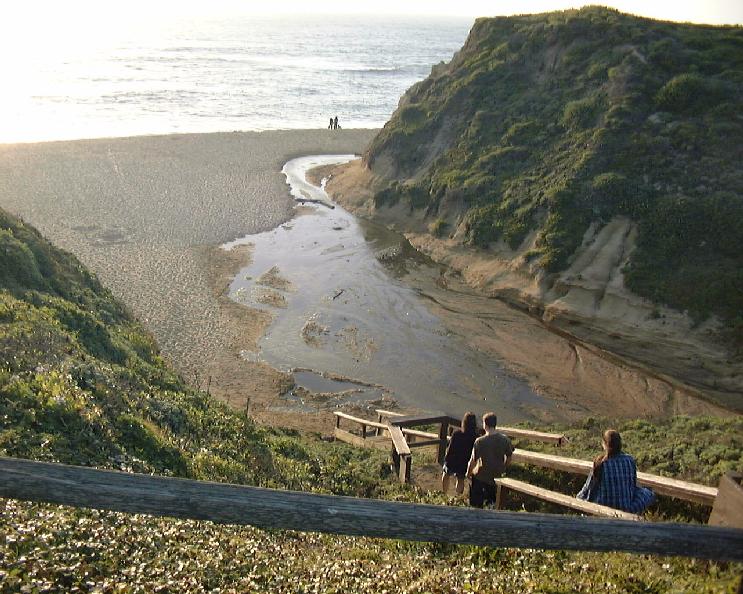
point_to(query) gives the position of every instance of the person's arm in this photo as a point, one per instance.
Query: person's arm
(585, 490)
(634, 472)
(472, 463)
(509, 455)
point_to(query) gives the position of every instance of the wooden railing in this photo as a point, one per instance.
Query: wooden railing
(557, 439)
(268, 508)
(401, 458)
(702, 494)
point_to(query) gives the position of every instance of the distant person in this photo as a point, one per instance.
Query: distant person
(330, 125)
(335, 123)
(458, 453)
(491, 454)
(613, 479)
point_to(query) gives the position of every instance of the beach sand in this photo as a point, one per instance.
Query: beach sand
(146, 214)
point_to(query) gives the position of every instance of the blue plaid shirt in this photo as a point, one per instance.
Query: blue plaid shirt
(618, 486)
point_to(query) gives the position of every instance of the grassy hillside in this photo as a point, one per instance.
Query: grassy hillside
(81, 382)
(551, 122)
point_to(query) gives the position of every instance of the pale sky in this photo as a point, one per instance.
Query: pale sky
(89, 12)
(36, 27)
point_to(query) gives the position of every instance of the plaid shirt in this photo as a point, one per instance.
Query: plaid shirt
(618, 486)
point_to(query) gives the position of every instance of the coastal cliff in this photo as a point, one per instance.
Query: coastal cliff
(584, 165)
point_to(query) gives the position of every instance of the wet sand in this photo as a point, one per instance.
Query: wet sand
(146, 214)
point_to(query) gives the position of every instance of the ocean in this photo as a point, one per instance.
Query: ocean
(223, 74)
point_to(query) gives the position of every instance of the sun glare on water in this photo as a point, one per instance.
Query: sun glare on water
(39, 41)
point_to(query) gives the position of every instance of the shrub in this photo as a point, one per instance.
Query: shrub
(580, 113)
(438, 227)
(689, 91)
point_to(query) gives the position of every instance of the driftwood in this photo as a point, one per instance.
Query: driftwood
(268, 508)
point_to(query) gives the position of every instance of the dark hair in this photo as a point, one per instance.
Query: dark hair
(613, 442)
(490, 420)
(469, 423)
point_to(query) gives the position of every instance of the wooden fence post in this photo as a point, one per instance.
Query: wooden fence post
(400, 453)
(443, 441)
(728, 507)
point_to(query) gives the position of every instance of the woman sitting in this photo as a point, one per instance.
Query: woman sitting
(459, 451)
(613, 480)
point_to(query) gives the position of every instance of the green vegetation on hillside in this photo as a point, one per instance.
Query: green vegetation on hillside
(81, 382)
(551, 122)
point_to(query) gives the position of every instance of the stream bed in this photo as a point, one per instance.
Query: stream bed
(345, 317)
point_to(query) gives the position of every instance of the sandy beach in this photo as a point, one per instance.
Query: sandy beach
(146, 214)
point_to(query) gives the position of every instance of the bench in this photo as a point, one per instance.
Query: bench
(586, 507)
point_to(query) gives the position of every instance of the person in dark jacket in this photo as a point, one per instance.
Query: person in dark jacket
(458, 453)
(613, 480)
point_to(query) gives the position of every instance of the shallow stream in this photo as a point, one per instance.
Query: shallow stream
(335, 285)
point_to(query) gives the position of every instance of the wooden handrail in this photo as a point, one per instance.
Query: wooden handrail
(388, 413)
(660, 484)
(267, 508)
(398, 441)
(565, 500)
(359, 420)
(555, 438)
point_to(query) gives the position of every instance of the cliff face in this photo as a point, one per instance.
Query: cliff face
(590, 162)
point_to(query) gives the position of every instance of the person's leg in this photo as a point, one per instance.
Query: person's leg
(444, 483)
(476, 493)
(460, 484)
(489, 493)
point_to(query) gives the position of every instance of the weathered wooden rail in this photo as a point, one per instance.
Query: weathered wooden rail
(569, 501)
(268, 508)
(557, 439)
(401, 457)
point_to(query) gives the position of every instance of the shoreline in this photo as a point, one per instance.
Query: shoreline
(13, 143)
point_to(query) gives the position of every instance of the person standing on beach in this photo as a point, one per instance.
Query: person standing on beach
(491, 454)
(330, 125)
(335, 123)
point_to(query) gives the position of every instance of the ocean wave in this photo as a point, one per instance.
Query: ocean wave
(230, 75)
